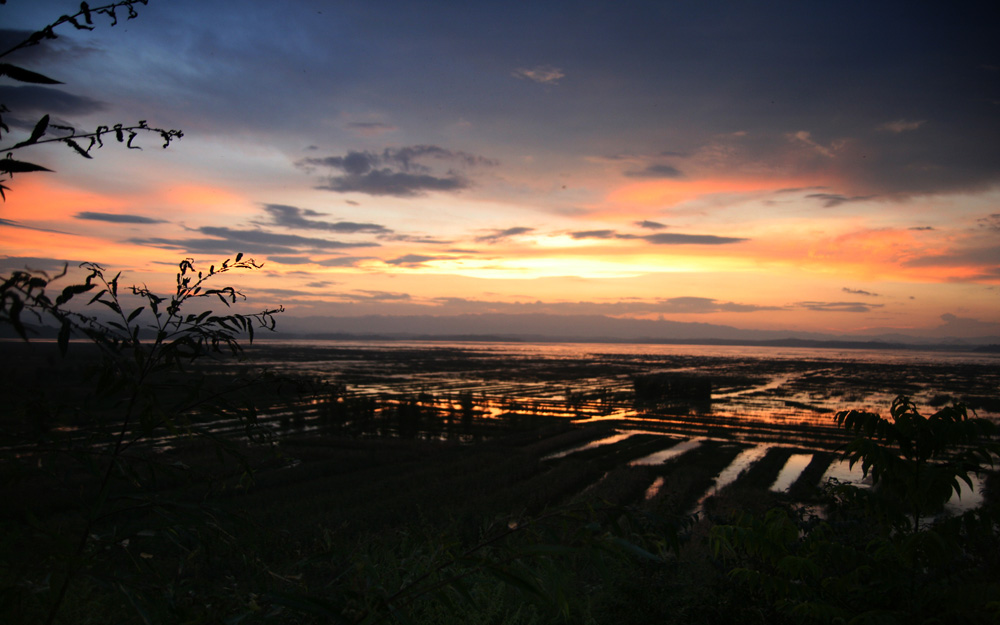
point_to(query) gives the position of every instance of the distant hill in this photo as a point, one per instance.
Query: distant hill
(595, 328)
(585, 328)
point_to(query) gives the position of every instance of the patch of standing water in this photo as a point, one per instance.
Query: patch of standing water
(666, 454)
(841, 471)
(791, 471)
(603, 441)
(728, 475)
(653, 488)
(739, 464)
(964, 500)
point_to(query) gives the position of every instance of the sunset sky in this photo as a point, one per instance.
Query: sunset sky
(806, 166)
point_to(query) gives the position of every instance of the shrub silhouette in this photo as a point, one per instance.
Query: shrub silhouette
(143, 389)
(874, 558)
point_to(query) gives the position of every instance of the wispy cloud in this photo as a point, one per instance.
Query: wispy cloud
(593, 234)
(902, 125)
(990, 222)
(805, 138)
(223, 240)
(859, 292)
(650, 225)
(655, 171)
(831, 200)
(16, 224)
(375, 296)
(26, 103)
(413, 260)
(848, 307)
(499, 235)
(691, 239)
(371, 129)
(545, 74)
(117, 218)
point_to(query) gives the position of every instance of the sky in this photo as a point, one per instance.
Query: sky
(825, 167)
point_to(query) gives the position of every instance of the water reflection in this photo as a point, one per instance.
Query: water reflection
(793, 468)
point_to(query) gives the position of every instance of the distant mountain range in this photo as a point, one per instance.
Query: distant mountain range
(952, 335)
(597, 328)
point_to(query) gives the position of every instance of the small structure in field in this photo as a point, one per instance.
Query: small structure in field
(668, 388)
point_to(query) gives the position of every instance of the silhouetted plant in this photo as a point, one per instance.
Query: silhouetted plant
(537, 559)
(143, 390)
(46, 131)
(916, 463)
(874, 558)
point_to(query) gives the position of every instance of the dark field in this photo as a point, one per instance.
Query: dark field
(442, 484)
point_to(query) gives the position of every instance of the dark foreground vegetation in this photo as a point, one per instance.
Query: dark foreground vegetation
(147, 481)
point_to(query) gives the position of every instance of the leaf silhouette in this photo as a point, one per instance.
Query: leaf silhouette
(79, 150)
(36, 133)
(24, 75)
(10, 166)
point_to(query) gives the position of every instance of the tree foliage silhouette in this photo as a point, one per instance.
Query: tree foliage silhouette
(46, 131)
(874, 557)
(103, 442)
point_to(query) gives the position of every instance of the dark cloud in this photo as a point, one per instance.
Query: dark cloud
(399, 172)
(26, 102)
(849, 307)
(990, 222)
(655, 171)
(116, 218)
(985, 260)
(208, 246)
(413, 260)
(499, 235)
(230, 241)
(650, 225)
(965, 326)
(921, 228)
(50, 266)
(593, 234)
(860, 292)
(831, 200)
(690, 239)
(398, 184)
(271, 238)
(293, 217)
(48, 50)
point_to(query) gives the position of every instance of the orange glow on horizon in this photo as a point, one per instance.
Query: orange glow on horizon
(673, 192)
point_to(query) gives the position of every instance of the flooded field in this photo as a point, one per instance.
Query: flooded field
(759, 399)
(754, 392)
(645, 407)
